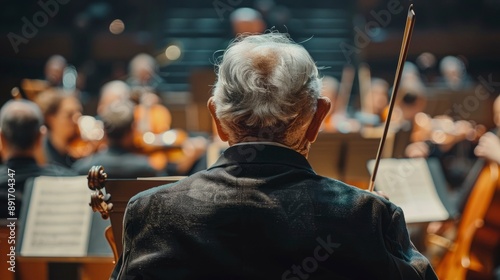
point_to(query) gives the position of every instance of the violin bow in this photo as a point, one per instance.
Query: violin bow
(410, 22)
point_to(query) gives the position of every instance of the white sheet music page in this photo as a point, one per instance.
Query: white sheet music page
(59, 218)
(408, 184)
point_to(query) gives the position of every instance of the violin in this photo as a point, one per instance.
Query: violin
(151, 121)
(472, 254)
(442, 130)
(88, 137)
(154, 138)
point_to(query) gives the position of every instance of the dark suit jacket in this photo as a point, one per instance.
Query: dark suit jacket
(118, 163)
(52, 155)
(24, 167)
(261, 212)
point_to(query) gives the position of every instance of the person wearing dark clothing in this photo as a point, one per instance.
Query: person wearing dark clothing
(118, 162)
(61, 112)
(118, 159)
(261, 212)
(21, 123)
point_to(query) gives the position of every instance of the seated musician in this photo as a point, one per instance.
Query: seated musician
(374, 103)
(143, 73)
(21, 135)
(261, 212)
(122, 131)
(489, 148)
(454, 74)
(458, 160)
(61, 112)
(111, 92)
(54, 70)
(120, 162)
(489, 144)
(329, 89)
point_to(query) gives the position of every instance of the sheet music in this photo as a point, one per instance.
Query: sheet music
(409, 185)
(59, 218)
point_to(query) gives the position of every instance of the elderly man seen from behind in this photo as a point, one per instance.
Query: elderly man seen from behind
(261, 212)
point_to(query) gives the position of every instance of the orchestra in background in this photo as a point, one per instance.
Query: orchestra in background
(131, 133)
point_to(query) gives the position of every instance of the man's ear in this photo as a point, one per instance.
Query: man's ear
(211, 107)
(322, 109)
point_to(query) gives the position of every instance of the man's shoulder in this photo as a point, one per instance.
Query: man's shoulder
(168, 190)
(352, 196)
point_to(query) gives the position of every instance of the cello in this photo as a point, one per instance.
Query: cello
(472, 254)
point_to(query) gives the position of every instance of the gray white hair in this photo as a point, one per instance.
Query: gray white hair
(111, 91)
(265, 83)
(20, 122)
(140, 61)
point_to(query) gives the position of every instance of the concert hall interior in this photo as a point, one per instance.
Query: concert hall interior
(125, 85)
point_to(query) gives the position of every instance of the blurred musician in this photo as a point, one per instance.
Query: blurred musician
(118, 159)
(338, 119)
(412, 100)
(247, 20)
(53, 78)
(330, 90)
(453, 74)
(152, 119)
(489, 144)
(488, 148)
(21, 136)
(143, 73)
(457, 151)
(111, 92)
(374, 102)
(61, 113)
(54, 70)
(260, 212)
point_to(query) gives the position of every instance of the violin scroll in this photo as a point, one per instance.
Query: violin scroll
(99, 201)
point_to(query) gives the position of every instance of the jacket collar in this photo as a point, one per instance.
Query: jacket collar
(21, 162)
(253, 153)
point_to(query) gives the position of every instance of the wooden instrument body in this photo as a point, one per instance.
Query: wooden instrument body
(473, 254)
